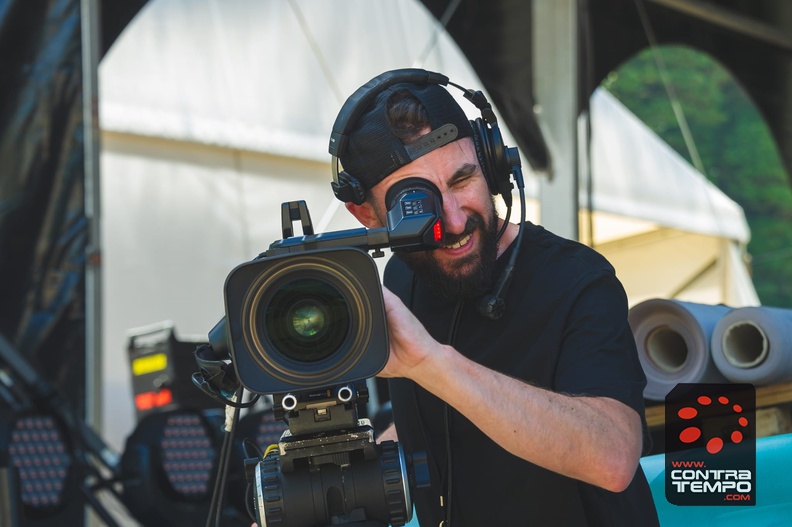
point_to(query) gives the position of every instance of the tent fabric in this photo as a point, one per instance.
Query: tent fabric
(637, 175)
(196, 86)
(685, 239)
(213, 117)
(262, 76)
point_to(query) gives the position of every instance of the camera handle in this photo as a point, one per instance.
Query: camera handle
(414, 223)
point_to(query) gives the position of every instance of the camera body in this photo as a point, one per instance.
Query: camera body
(305, 322)
(308, 313)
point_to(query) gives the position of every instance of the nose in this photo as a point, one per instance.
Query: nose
(454, 218)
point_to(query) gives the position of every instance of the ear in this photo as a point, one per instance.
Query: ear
(365, 214)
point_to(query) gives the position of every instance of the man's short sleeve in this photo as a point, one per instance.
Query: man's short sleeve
(598, 355)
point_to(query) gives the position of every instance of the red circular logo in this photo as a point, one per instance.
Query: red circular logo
(714, 444)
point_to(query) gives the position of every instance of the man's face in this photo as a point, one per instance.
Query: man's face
(463, 266)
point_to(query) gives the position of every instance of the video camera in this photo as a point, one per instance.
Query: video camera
(305, 322)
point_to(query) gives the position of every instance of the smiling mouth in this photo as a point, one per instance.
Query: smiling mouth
(458, 244)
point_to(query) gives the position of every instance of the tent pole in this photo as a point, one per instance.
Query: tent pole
(93, 292)
(555, 58)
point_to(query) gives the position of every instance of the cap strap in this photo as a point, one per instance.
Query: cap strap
(434, 139)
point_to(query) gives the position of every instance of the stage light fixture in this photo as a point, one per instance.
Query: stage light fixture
(42, 483)
(162, 365)
(187, 455)
(169, 466)
(38, 452)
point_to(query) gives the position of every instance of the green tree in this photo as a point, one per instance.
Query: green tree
(734, 144)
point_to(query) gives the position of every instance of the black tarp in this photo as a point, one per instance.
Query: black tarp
(42, 220)
(43, 227)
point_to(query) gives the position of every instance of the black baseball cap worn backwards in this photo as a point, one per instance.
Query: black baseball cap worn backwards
(368, 148)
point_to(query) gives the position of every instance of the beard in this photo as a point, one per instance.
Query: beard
(466, 278)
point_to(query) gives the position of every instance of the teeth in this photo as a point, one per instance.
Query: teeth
(460, 243)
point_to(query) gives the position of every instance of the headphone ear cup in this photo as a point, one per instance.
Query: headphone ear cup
(492, 157)
(349, 189)
(481, 141)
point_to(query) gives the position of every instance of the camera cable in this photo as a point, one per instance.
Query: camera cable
(217, 378)
(446, 503)
(216, 507)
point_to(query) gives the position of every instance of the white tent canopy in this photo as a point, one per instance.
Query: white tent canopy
(214, 112)
(669, 232)
(637, 175)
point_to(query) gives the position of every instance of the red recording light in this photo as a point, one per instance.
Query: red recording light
(438, 231)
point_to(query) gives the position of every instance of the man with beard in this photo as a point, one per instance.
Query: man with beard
(535, 417)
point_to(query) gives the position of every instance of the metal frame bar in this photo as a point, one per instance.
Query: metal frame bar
(731, 21)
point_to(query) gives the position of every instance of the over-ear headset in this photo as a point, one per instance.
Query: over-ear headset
(495, 158)
(498, 162)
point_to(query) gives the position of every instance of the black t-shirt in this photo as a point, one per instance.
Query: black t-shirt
(565, 329)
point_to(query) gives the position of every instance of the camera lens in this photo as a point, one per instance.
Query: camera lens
(307, 319)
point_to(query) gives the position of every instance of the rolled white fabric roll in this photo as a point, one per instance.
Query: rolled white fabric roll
(754, 345)
(673, 341)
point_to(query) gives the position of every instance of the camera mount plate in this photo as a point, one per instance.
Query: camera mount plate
(328, 447)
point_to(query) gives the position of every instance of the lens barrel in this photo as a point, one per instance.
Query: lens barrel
(307, 320)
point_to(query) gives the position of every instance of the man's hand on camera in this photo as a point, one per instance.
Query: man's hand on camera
(410, 343)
